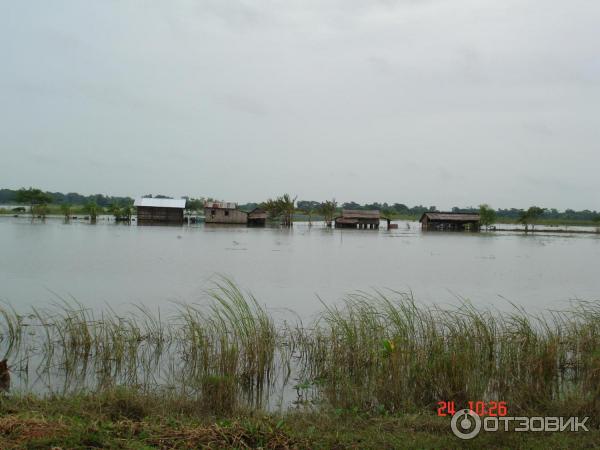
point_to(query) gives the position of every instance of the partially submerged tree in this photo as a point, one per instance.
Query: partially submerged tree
(115, 210)
(66, 210)
(487, 215)
(327, 210)
(127, 210)
(41, 210)
(282, 208)
(288, 207)
(531, 216)
(92, 209)
(36, 199)
(307, 211)
(122, 211)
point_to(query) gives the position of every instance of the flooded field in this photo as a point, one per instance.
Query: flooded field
(110, 264)
(89, 307)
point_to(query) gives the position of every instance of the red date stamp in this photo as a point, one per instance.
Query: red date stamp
(481, 408)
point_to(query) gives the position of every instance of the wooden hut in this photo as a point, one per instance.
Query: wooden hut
(448, 221)
(224, 212)
(360, 219)
(257, 217)
(159, 210)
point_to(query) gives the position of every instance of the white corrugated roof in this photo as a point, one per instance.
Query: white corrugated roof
(160, 202)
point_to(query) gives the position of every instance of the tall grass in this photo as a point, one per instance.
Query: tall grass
(384, 351)
(228, 350)
(377, 350)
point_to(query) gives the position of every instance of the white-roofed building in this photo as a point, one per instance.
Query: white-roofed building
(160, 210)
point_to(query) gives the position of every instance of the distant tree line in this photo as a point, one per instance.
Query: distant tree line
(326, 209)
(9, 196)
(512, 214)
(521, 215)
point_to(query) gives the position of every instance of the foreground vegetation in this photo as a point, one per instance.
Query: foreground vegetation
(120, 419)
(379, 360)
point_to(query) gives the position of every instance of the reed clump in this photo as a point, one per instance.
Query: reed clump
(385, 351)
(228, 349)
(376, 351)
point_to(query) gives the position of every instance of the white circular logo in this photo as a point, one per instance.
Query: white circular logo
(463, 421)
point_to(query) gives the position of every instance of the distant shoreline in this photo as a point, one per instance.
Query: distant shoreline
(593, 228)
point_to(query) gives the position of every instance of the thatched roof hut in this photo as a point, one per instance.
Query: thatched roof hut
(450, 221)
(356, 218)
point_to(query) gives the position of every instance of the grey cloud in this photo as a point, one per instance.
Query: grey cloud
(490, 102)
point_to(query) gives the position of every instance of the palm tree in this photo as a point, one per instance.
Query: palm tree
(288, 208)
(282, 207)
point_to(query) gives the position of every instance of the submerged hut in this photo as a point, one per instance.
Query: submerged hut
(257, 217)
(224, 212)
(360, 219)
(449, 221)
(159, 210)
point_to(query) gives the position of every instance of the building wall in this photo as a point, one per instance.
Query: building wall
(441, 225)
(360, 224)
(217, 215)
(151, 214)
(257, 218)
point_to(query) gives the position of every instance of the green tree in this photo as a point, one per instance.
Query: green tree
(531, 216)
(307, 211)
(115, 210)
(283, 208)
(36, 199)
(388, 213)
(92, 209)
(328, 209)
(524, 219)
(194, 204)
(127, 210)
(487, 215)
(288, 207)
(122, 211)
(66, 210)
(41, 210)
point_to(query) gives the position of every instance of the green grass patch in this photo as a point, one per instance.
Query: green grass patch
(89, 422)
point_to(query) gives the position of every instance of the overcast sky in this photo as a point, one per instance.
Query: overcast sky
(439, 102)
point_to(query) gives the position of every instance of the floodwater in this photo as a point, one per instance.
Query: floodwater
(115, 264)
